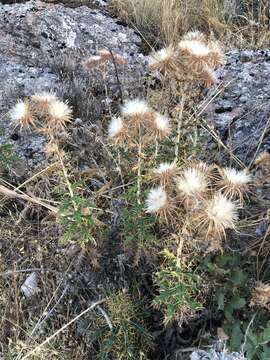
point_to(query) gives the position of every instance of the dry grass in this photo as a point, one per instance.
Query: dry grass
(167, 20)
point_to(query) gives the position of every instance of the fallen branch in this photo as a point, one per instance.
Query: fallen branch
(12, 194)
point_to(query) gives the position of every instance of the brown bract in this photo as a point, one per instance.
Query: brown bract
(261, 296)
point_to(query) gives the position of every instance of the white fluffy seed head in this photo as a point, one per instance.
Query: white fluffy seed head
(235, 177)
(19, 111)
(162, 123)
(162, 55)
(194, 47)
(115, 127)
(45, 97)
(156, 200)
(194, 35)
(135, 107)
(164, 168)
(192, 182)
(222, 212)
(60, 110)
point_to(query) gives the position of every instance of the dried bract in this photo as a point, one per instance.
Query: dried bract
(234, 183)
(261, 296)
(263, 159)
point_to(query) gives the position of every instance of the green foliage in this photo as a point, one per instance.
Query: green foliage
(137, 228)
(178, 289)
(128, 338)
(7, 156)
(77, 215)
(232, 299)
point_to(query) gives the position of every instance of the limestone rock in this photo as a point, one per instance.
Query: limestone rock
(42, 48)
(239, 114)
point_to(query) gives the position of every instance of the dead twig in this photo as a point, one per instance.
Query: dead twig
(12, 194)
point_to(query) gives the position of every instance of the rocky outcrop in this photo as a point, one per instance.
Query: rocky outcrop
(240, 110)
(42, 47)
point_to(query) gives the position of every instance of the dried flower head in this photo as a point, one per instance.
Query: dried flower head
(263, 159)
(164, 173)
(101, 58)
(219, 214)
(59, 114)
(135, 107)
(161, 125)
(92, 62)
(194, 48)
(44, 97)
(162, 60)
(116, 130)
(261, 296)
(156, 200)
(41, 102)
(194, 35)
(234, 183)
(21, 114)
(192, 183)
(108, 55)
(137, 115)
(203, 168)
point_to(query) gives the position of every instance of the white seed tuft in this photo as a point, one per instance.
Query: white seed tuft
(115, 127)
(162, 123)
(236, 177)
(222, 212)
(19, 111)
(156, 200)
(194, 47)
(60, 110)
(135, 107)
(192, 182)
(165, 168)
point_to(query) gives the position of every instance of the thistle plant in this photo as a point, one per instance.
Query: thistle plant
(138, 127)
(193, 199)
(185, 66)
(179, 290)
(46, 114)
(192, 60)
(43, 112)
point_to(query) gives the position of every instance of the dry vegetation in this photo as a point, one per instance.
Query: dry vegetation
(130, 246)
(237, 23)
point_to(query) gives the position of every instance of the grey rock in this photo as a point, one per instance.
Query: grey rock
(240, 113)
(42, 49)
(214, 355)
